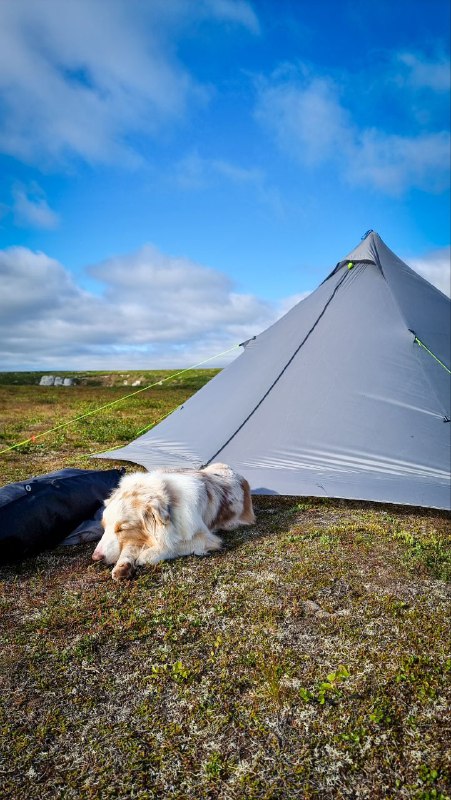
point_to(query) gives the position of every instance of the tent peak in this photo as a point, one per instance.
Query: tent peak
(367, 250)
(367, 234)
(373, 249)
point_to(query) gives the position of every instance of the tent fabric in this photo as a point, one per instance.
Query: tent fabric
(336, 399)
(39, 513)
(90, 530)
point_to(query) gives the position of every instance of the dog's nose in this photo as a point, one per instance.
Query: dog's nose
(96, 556)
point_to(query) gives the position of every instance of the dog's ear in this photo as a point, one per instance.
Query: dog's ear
(159, 509)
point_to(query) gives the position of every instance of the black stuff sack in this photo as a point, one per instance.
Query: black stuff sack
(39, 513)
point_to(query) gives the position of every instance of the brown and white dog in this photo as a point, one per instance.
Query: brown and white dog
(163, 514)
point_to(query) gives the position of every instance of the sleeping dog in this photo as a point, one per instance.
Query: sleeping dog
(163, 514)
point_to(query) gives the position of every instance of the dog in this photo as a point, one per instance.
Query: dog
(165, 513)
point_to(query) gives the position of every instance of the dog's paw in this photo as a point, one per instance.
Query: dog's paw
(210, 543)
(122, 571)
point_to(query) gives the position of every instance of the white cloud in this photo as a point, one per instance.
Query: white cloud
(79, 78)
(30, 208)
(305, 115)
(236, 11)
(396, 163)
(196, 173)
(155, 310)
(32, 286)
(436, 268)
(423, 73)
(308, 119)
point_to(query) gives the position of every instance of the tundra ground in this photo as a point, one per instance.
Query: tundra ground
(308, 659)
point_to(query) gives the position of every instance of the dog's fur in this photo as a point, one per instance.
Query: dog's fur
(163, 514)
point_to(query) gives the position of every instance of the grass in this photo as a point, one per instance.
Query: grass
(27, 410)
(309, 659)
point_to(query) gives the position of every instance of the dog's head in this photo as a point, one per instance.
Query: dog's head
(131, 521)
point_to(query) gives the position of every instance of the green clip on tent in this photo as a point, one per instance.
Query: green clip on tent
(347, 395)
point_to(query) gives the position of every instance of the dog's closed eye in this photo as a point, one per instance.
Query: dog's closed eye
(121, 527)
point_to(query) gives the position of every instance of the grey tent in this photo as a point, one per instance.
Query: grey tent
(347, 395)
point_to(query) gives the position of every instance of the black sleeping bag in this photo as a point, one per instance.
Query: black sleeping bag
(39, 513)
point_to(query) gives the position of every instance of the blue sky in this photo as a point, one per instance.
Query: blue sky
(176, 174)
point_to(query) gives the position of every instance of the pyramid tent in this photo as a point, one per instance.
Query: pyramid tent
(347, 395)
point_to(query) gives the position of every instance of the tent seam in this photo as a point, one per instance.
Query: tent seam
(444, 410)
(280, 373)
(401, 314)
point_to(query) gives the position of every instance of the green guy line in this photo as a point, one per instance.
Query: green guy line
(422, 344)
(114, 402)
